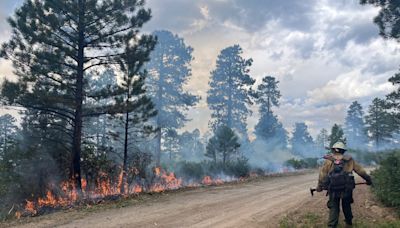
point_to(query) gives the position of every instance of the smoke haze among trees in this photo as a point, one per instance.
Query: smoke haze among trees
(101, 101)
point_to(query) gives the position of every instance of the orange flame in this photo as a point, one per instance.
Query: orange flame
(50, 200)
(120, 180)
(30, 207)
(207, 180)
(168, 181)
(218, 181)
(105, 186)
(137, 189)
(18, 215)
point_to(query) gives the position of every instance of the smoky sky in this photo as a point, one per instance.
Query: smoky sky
(325, 53)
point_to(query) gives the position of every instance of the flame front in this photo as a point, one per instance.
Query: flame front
(104, 186)
(207, 180)
(167, 181)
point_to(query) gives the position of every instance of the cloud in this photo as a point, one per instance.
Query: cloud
(324, 53)
(341, 22)
(349, 86)
(174, 15)
(291, 14)
(315, 117)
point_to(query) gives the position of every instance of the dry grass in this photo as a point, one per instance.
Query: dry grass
(367, 211)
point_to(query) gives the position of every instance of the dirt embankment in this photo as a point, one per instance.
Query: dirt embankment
(260, 203)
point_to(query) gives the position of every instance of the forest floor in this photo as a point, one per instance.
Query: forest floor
(283, 201)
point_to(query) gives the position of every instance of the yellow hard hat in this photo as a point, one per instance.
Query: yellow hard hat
(339, 145)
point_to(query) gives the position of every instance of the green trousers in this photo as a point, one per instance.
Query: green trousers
(334, 207)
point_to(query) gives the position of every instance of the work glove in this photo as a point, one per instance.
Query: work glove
(319, 189)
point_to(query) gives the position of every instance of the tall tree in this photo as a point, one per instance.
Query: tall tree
(229, 92)
(223, 145)
(8, 133)
(55, 44)
(191, 146)
(379, 123)
(393, 102)
(336, 135)
(388, 21)
(132, 99)
(322, 140)
(301, 141)
(268, 127)
(169, 71)
(268, 94)
(270, 130)
(97, 128)
(355, 127)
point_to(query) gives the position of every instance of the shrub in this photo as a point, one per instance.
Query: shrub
(311, 163)
(367, 157)
(306, 163)
(192, 170)
(296, 164)
(238, 168)
(387, 180)
(197, 170)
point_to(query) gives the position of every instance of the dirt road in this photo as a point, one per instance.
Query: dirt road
(253, 204)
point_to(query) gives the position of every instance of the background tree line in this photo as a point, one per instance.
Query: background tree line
(99, 96)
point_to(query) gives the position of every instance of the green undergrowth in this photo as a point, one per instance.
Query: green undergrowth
(312, 220)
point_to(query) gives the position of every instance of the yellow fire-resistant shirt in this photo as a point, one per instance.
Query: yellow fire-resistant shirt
(349, 166)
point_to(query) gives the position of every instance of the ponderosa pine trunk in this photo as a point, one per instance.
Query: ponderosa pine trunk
(77, 133)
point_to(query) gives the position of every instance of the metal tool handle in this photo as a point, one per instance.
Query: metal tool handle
(312, 190)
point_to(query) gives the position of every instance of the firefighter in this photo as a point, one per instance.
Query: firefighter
(336, 176)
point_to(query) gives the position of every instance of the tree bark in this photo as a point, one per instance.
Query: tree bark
(125, 162)
(229, 121)
(77, 135)
(159, 131)
(158, 147)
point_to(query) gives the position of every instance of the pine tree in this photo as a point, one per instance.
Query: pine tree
(268, 94)
(171, 144)
(268, 127)
(97, 129)
(337, 135)
(355, 127)
(230, 91)
(223, 145)
(393, 102)
(379, 123)
(191, 146)
(301, 141)
(270, 130)
(132, 99)
(8, 133)
(388, 21)
(55, 44)
(169, 71)
(322, 140)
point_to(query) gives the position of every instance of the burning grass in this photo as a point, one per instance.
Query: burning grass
(104, 189)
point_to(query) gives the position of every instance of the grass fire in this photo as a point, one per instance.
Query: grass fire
(66, 195)
(208, 113)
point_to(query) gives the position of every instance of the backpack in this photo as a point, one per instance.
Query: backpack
(338, 177)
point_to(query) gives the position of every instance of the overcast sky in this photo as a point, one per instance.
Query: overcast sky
(325, 53)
